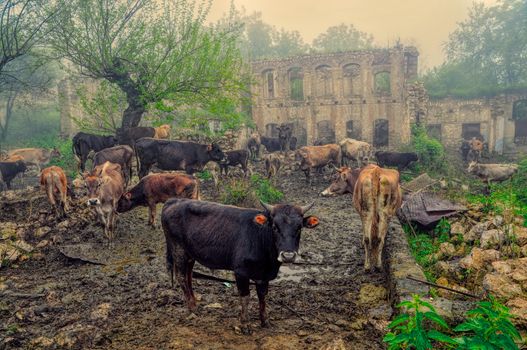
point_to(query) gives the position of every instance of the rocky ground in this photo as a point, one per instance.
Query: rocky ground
(120, 297)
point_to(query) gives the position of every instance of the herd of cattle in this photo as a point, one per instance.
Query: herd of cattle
(252, 243)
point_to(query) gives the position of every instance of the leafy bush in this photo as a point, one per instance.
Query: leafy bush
(248, 192)
(429, 150)
(408, 329)
(204, 175)
(488, 326)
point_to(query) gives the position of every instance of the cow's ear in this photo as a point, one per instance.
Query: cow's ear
(311, 221)
(128, 195)
(260, 219)
(209, 147)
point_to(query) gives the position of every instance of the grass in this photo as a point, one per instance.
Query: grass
(247, 192)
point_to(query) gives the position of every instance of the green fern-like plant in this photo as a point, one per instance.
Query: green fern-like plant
(408, 329)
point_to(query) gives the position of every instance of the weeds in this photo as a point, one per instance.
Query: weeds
(248, 192)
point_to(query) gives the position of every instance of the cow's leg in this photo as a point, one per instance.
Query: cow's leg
(182, 268)
(188, 273)
(243, 289)
(261, 289)
(152, 210)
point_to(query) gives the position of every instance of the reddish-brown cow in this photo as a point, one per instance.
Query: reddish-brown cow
(158, 188)
(105, 186)
(344, 183)
(53, 181)
(376, 197)
(316, 157)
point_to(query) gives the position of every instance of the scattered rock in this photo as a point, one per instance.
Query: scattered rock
(523, 251)
(8, 230)
(501, 286)
(521, 235)
(457, 228)
(502, 267)
(42, 232)
(518, 307)
(497, 221)
(447, 250)
(371, 294)
(337, 344)
(491, 239)
(475, 232)
(478, 258)
(42, 244)
(42, 342)
(213, 306)
(101, 312)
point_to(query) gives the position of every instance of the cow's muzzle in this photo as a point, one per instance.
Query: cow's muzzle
(287, 257)
(327, 192)
(93, 201)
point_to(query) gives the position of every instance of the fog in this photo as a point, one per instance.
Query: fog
(423, 23)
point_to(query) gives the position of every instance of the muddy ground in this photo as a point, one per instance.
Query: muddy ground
(126, 301)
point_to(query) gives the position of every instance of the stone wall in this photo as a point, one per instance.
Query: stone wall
(337, 88)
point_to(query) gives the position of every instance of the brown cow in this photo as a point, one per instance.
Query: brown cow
(121, 154)
(162, 132)
(53, 181)
(14, 158)
(344, 183)
(316, 157)
(476, 148)
(158, 188)
(356, 150)
(376, 197)
(35, 156)
(105, 186)
(273, 163)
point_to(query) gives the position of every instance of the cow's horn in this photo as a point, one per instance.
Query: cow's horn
(334, 167)
(305, 208)
(267, 207)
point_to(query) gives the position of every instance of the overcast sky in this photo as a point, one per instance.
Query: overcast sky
(424, 23)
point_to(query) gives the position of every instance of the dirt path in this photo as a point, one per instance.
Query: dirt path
(128, 303)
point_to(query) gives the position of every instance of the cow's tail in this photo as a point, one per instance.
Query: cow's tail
(170, 262)
(375, 239)
(196, 193)
(138, 164)
(74, 149)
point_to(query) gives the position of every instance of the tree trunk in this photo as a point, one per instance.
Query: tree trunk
(136, 104)
(8, 114)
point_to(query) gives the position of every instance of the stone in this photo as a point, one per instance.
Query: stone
(8, 230)
(42, 244)
(101, 312)
(457, 228)
(42, 342)
(337, 344)
(447, 250)
(521, 235)
(497, 221)
(63, 225)
(371, 294)
(213, 306)
(501, 286)
(502, 267)
(523, 251)
(475, 232)
(491, 238)
(42, 232)
(478, 258)
(518, 307)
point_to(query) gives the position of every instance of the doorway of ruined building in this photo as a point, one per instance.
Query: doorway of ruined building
(299, 131)
(381, 135)
(519, 115)
(353, 130)
(470, 130)
(271, 130)
(325, 131)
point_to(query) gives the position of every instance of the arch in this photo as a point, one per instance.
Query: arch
(351, 81)
(271, 130)
(296, 83)
(382, 83)
(268, 85)
(381, 134)
(519, 115)
(324, 81)
(353, 129)
(326, 131)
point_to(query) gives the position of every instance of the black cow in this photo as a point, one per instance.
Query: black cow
(175, 155)
(465, 149)
(253, 145)
(129, 136)
(292, 143)
(398, 159)
(234, 158)
(9, 170)
(252, 243)
(285, 132)
(121, 154)
(272, 144)
(83, 143)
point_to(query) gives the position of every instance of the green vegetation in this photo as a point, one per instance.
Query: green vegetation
(488, 326)
(424, 247)
(430, 151)
(248, 192)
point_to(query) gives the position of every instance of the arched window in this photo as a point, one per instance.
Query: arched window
(270, 130)
(351, 82)
(325, 131)
(519, 115)
(296, 84)
(381, 135)
(353, 130)
(268, 86)
(324, 81)
(382, 83)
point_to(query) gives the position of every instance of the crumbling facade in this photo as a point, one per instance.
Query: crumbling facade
(373, 96)
(358, 94)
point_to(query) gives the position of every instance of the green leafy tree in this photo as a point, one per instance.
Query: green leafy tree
(288, 43)
(152, 50)
(342, 38)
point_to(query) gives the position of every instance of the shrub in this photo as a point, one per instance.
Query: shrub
(248, 192)
(429, 150)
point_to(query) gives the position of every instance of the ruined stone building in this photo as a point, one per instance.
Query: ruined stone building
(372, 95)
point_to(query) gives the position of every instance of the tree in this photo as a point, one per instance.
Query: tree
(151, 49)
(288, 43)
(21, 29)
(342, 38)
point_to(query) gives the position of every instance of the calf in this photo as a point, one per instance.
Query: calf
(476, 148)
(53, 181)
(292, 143)
(285, 132)
(105, 186)
(121, 154)
(271, 144)
(376, 197)
(83, 143)
(356, 150)
(465, 149)
(253, 145)
(316, 157)
(10, 170)
(34, 156)
(158, 188)
(234, 158)
(252, 243)
(273, 163)
(162, 132)
(492, 172)
(344, 183)
(397, 159)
